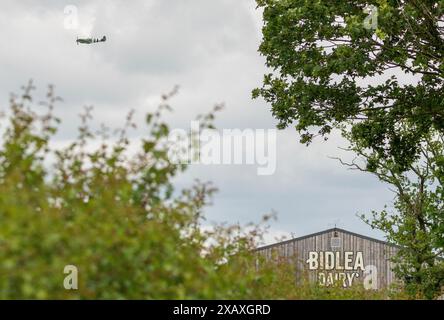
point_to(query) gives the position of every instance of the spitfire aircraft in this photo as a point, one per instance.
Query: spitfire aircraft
(90, 40)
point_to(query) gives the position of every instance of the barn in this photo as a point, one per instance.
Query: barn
(337, 256)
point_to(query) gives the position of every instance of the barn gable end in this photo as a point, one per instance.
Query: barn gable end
(337, 254)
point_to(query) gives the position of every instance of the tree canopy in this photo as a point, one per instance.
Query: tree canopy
(330, 66)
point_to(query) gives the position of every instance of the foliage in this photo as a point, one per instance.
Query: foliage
(330, 66)
(373, 69)
(116, 216)
(417, 223)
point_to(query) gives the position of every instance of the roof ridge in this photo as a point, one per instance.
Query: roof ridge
(326, 231)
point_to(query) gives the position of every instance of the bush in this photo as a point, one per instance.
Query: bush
(116, 217)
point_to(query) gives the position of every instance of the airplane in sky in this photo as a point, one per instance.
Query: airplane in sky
(90, 40)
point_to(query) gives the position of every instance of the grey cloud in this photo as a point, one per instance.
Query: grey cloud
(207, 47)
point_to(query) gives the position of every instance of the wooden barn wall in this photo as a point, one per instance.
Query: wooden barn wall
(376, 253)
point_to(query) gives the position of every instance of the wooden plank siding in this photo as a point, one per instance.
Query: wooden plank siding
(375, 253)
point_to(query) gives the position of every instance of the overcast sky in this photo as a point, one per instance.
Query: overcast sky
(209, 48)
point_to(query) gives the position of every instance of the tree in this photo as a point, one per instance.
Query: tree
(374, 70)
(331, 66)
(417, 222)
